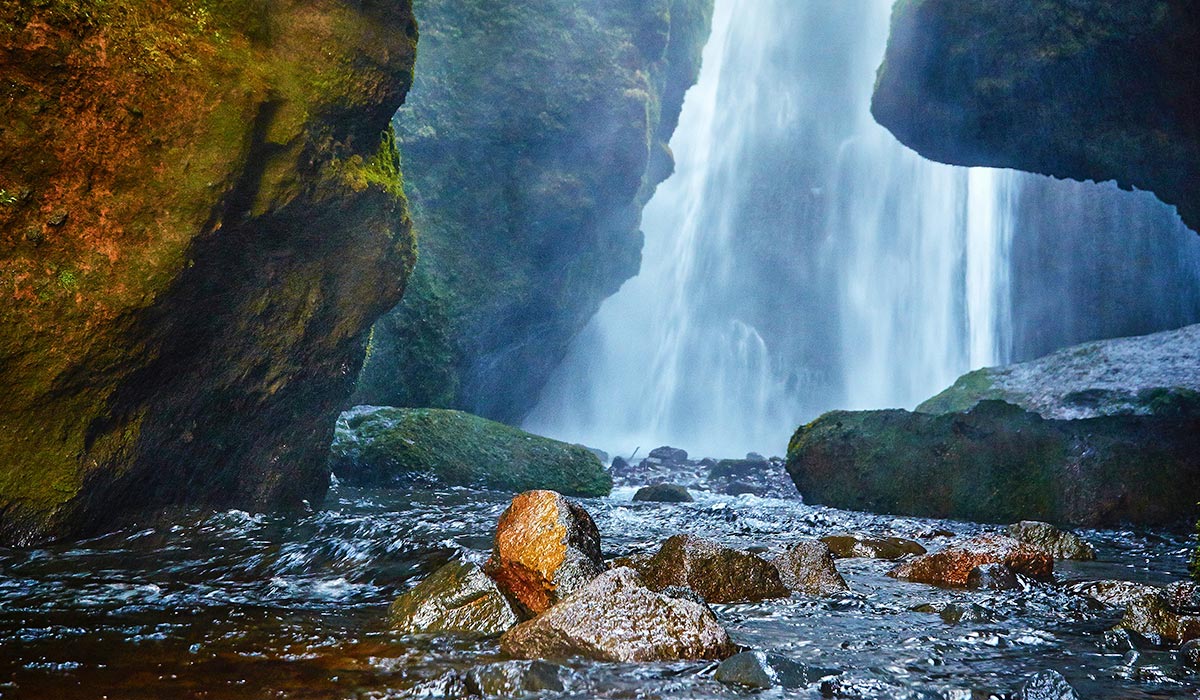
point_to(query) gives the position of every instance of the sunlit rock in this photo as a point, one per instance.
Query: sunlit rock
(547, 547)
(617, 618)
(458, 597)
(952, 565)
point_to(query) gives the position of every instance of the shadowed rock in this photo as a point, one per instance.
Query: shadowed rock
(1116, 594)
(1051, 540)
(617, 618)
(546, 549)
(993, 577)
(719, 574)
(952, 565)
(757, 669)
(663, 493)
(857, 546)
(456, 598)
(807, 567)
(1047, 685)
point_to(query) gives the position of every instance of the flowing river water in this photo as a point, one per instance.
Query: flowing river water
(231, 605)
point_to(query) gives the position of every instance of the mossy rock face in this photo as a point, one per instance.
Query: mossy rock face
(458, 598)
(201, 216)
(1089, 90)
(1150, 375)
(998, 463)
(376, 446)
(535, 133)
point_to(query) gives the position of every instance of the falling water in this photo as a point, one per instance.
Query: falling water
(799, 260)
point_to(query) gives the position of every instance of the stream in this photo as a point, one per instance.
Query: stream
(232, 605)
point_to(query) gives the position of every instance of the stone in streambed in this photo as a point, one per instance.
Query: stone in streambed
(719, 574)
(617, 618)
(663, 493)
(1047, 685)
(546, 549)
(757, 669)
(380, 446)
(669, 455)
(510, 679)
(456, 598)
(857, 546)
(807, 567)
(993, 577)
(1164, 617)
(1189, 654)
(1049, 539)
(1115, 594)
(952, 565)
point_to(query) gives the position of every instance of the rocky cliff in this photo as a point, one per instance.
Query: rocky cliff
(1089, 90)
(535, 133)
(201, 214)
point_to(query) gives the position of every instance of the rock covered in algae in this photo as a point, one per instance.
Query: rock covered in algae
(458, 597)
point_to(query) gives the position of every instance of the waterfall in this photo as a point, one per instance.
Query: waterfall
(799, 260)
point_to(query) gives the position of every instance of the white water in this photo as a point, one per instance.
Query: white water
(799, 260)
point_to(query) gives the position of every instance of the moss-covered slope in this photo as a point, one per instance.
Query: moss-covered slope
(1083, 89)
(534, 134)
(201, 214)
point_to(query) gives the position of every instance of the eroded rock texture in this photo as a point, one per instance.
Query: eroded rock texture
(1089, 90)
(201, 215)
(535, 134)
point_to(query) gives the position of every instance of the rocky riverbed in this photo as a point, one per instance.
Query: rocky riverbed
(239, 606)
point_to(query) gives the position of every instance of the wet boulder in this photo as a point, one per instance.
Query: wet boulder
(741, 488)
(759, 670)
(1051, 540)
(1189, 654)
(511, 679)
(1115, 594)
(458, 597)
(616, 617)
(379, 446)
(993, 577)
(669, 455)
(663, 493)
(1047, 685)
(807, 567)
(719, 574)
(546, 548)
(860, 547)
(952, 565)
(1163, 617)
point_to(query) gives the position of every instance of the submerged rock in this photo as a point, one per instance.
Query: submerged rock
(857, 546)
(1189, 654)
(663, 493)
(993, 577)
(380, 446)
(546, 549)
(757, 669)
(1047, 685)
(719, 574)
(956, 613)
(999, 463)
(1051, 540)
(807, 567)
(458, 597)
(511, 679)
(1115, 594)
(617, 618)
(952, 565)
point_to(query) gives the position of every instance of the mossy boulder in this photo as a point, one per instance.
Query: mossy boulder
(999, 463)
(1083, 89)
(719, 574)
(457, 598)
(1151, 375)
(535, 134)
(201, 215)
(381, 446)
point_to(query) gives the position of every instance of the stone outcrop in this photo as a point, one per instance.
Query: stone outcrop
(953, 564)
(535, 134)
(379, 446)
(719, 574)
(458, 597)
(998, 463)
(807, 567)
(1091, 90)
(201, 214)
(546, 549)
(1151, 375)
(617, 618)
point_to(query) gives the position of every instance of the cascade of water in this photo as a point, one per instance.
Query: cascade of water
(799, 260)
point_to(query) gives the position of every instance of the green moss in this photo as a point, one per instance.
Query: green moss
(970, 389)
(449, 448)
